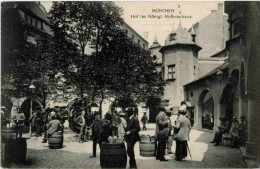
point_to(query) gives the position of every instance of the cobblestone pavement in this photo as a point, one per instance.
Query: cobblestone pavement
(76, 155)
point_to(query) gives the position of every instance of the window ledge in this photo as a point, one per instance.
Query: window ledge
(170, 79)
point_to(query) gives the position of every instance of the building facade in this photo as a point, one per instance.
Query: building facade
(131, 33)
(212, 32)
(179, 63)
(36, 26)
(231, 90)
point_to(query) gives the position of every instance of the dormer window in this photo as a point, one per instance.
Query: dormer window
(172, 37)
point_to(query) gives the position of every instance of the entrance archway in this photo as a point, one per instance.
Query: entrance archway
(229, 99)
(206, 109)
(27, 104)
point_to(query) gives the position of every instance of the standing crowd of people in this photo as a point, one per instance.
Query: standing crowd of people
(125, 126)
(165, 134)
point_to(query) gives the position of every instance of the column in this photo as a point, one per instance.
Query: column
(216, 116)
(197, 117)
(252, 144)
(242, 103)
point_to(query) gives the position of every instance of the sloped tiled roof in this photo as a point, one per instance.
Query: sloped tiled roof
(221, 67)
(36, 9)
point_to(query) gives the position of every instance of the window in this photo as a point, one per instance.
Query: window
(34, 22)
(39, 24)
(126, 32)
(138, 42)
(171, 72)
(172, 37)
(194, 70)
(144, 46)
(133, 36)
(28, 19)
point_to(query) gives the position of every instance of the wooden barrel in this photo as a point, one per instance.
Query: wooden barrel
(113, 155)
(6, 152)
(8, 133)
(20, 150)
(147, 147)
(56, 140)
(14, 150)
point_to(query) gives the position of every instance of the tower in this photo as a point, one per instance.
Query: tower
(156, 55)
(179, 63)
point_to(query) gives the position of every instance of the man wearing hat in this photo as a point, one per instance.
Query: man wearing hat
(144, 120)
(223, 128)
(95, 132)
(161, 134)
(19, 122)
(184, 127)
(132, 136)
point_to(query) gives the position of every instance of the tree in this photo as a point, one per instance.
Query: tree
(124, 71)
(116, 67)
(74, 20)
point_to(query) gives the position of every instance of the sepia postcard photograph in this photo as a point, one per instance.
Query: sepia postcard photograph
(130, 84)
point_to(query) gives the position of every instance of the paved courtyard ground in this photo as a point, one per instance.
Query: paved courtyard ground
(76, 155)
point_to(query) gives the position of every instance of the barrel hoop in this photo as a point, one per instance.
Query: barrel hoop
(146, 150)
(147, 142)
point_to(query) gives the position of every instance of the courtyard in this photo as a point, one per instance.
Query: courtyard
(76, 155)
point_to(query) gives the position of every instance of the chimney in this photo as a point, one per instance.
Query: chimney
(146, 36)
(220, 6)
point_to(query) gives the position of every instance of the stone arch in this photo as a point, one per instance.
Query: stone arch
(228, 99)
(206, 109)
(26, 105)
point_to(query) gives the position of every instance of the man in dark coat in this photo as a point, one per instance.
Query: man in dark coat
(144, 120)
(161, 134)
(95, 133)
(132, 136)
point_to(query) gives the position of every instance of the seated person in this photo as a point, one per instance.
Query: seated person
(242, 131)
(53, 126)
(223, 128)
(234, 132)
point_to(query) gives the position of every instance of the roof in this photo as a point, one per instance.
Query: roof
(181, 44)
(181, 36)
(36, 9)
(214, 71)
(124, 23)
